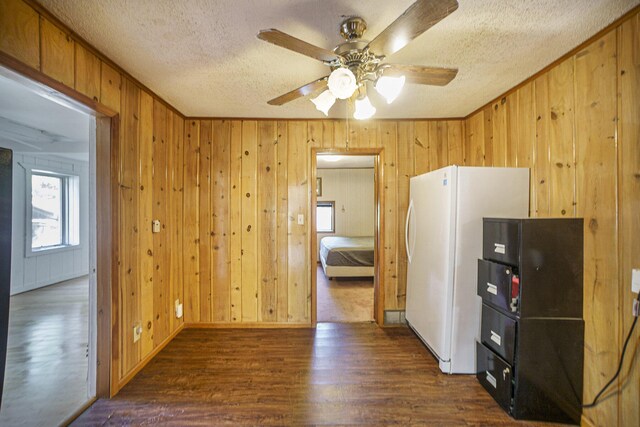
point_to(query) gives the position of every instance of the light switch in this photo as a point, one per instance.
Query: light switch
(137, 332)
(179, 309)
(635, 280)
(156, 226)
(300, 219)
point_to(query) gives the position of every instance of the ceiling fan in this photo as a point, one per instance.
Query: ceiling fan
(357, 62)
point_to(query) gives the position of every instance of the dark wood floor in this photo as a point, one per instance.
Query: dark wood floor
(336, 374)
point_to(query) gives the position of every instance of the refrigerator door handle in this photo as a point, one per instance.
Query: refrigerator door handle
(406, 232)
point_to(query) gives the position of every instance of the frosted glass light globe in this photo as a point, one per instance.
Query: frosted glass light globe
(390, 87)
(342, 83)
(364, 109)
(324, 102)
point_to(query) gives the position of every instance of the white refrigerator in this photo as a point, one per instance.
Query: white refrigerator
(443, 240)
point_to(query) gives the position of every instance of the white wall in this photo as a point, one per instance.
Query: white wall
(40, 270)
(352, 190)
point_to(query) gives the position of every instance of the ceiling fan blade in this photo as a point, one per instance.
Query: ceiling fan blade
(305, 90)
(420, 16)
(422, 75)
(281, 39)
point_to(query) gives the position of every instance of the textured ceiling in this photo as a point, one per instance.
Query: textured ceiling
(203, 56)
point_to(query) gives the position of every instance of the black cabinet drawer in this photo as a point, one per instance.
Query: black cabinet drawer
(501, 240)
(495, 375)
(498, 332)
(495, 283)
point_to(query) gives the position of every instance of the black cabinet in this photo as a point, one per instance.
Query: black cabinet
(530, 358)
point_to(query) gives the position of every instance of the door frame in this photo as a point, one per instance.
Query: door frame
(378, 194)
(106, 196)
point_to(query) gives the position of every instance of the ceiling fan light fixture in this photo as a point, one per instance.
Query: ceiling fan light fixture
(390, 87)
(364, 109)
(342, 83)
(324, 102)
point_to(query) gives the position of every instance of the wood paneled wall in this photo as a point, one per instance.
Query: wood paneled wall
(229, 191)
(150, 175)
(246, 258)
(577, 126)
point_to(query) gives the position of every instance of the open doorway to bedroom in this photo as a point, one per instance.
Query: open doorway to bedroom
(345, 230)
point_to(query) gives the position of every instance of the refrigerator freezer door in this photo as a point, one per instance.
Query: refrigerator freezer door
(430, 272)
(482, 192)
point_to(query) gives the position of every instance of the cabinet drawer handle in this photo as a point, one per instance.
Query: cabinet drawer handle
(492, 380)
(492, 289)
(504, 374)
(496, 338)
(500, 248)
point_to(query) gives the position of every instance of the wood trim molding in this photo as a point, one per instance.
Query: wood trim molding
(248, 325)
(44, 12)
(38, 78)
(378, 284)
(564, 57)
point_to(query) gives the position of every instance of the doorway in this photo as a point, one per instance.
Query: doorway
(346, 236)
(51, 369)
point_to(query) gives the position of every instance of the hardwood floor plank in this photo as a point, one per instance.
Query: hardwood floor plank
(336, 374)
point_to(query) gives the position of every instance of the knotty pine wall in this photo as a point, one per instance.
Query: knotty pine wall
(246, 259)
(149, 176)
(577, 126)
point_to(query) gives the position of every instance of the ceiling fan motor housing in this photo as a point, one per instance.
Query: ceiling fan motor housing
(353, 28)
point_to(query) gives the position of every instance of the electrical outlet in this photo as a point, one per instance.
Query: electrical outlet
(300, 219)
(137, 332)
(155, 226)
(178, 309)
(635, 280)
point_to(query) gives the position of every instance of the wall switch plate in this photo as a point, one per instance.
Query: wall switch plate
(635, 280)
(300, 219)
(178, 309)
(156, 226)
(137, 333)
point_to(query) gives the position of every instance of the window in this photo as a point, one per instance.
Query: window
(53, 208)
(325, 217)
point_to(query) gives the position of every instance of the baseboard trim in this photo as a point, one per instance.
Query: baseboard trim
(246, 325)
(147, 359)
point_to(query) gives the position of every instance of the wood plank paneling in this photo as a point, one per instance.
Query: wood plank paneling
(87, 73)
(561, 128)
(249, 221)
(205, 220)
(235, 221)
(282, 221)
(405, 170)
(629, 205)
(145, 218)
(129, 256)
(543, 119)
(389, 135)
(191, 219)
(162, 303)
(174, 226)
(220, 192)
(438, 150)
(267, 219)
(421, 148)
(499, 133)
(20, 32)
(595, 104)
(298, 259)
(110, 87)
(455, 142)
(57, 53)
(474, 140)
(526, 152)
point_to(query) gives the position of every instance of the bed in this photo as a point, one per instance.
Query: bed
(344, 256)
